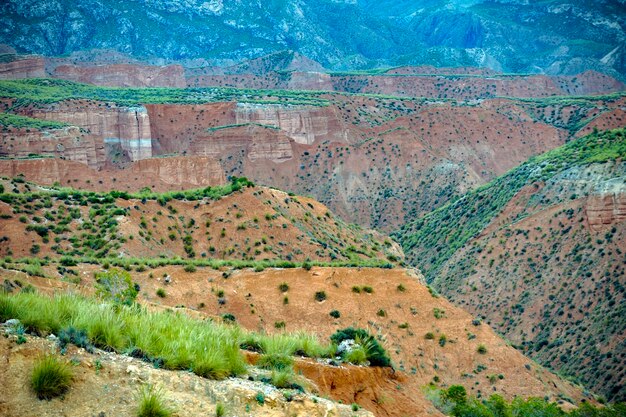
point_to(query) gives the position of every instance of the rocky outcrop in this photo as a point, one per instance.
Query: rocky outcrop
(179, 172)
(124, 75)
(304, 125)
(607, 205)
(123, 131)
(160, 174)
(258, 142)
(13, 66)
(316, 81)
(68, 143)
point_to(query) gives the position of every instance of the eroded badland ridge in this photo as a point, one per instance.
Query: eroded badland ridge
(339, 208)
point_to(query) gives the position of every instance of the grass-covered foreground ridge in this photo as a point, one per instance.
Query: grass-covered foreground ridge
(166, 339)
(432, 240)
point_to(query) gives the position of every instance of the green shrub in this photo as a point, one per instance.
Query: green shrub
(260, 398)
(376, 354)
(229, 318)
(275, 361)
(51, 377)
(161, 293)
(320, 296)
(116, 285)
(283, 379)
(335, 314)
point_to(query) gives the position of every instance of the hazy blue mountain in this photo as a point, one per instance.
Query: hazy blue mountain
(517, 36)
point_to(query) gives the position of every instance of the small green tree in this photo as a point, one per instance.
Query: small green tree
(116, 285)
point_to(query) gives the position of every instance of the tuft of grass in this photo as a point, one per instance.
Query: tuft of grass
(276, 361)
(220, 410)
(152, 403)
(357, 356)
(283, 379)
(51, 377)
(375, 353)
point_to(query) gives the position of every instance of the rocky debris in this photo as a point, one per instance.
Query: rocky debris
(107, 384)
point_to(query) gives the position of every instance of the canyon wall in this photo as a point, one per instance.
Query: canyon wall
(123, 75)
(116, 134)
(159, 174)
(13, 67)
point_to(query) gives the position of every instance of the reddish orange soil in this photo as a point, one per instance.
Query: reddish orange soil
(375, 161)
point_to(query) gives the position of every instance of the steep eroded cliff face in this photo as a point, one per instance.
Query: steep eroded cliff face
(606, 206)
(159, 174)
(116, 134)
(67, 143)
(305, 125)
(22, 67)
(123, 75)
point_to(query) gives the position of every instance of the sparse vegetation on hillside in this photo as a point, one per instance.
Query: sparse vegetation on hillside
(430, 241)
(172, 228)
(152, 403)
(525, 261)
